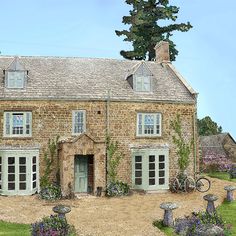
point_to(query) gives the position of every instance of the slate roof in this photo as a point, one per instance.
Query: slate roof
(214, 144)
(87, 78)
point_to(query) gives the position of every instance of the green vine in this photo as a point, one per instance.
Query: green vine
(183, 148)
(113, 159)
(49, 157)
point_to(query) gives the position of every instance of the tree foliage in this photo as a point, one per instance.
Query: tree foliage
(206, 126)
(147, 19)
(183, 147)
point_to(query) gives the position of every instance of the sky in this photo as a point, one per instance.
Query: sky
(87, 29)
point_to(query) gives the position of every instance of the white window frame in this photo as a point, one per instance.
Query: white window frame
(142, 79)
(155, 134)
(22, 73)
(83, 112)
(145, 153)
(10, 123)
(28, 154)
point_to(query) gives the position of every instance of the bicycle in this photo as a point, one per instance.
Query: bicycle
(189, 184)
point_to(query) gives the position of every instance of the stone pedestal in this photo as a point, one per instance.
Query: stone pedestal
(210, 198)
(168, 207)
(230, 194)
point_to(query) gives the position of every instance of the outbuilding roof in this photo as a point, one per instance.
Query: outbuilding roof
(90, 78)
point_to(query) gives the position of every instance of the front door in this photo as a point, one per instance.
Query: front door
(81, 174)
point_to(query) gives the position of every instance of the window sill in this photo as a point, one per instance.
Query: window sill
(15, 138)
(149, 137)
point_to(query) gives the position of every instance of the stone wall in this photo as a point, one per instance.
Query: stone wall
(52, 118)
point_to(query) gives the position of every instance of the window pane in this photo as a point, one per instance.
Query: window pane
(11, 186)
(138, 166)
(79, 122)
(11, 160)
(22, 160)
(15, 79)
(22, 186)
(34, 159)
(146, 84)
(161, 173)
(34, 176)
(138, 181)
(11, 177)
(11, 169)
(151, 158)
(149, 124)
(22, 177)
(161, 181)
(161, 158)
(34, 184)
(138, 173)
(161, 166)
(151, 173)
(22, 169)
(151, 181)
(34, 168)
(0, 160)
(138, 158)
(151, 166)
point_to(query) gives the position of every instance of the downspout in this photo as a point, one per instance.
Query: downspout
(107, 126)
(195, 134)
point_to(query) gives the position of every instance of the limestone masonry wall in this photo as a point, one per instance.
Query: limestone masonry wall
(52, 118)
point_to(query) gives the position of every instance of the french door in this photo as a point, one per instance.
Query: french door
(19, 172)
(150, 169)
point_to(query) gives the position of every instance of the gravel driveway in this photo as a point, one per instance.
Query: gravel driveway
(126, 216)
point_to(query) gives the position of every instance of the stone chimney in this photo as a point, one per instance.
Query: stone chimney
(162, 52)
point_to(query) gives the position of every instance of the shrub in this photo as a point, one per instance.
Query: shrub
(52, 226)
(199, 222)
(51, 192)
(212, 162)
(117, 188)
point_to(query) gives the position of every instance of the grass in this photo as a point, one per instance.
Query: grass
(167, 230)
(221, 175)
(228, 212)
(13, 229)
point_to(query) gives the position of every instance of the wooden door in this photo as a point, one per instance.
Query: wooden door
(81, 174)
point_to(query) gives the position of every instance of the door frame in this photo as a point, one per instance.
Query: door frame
(145, 153)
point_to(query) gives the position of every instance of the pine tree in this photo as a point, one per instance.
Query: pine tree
(146, 19)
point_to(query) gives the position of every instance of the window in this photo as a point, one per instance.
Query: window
(78, 122)
(15, 79)
(150, 169)
(143, 83)
(17, 124)
(19, 172)
(148, 124)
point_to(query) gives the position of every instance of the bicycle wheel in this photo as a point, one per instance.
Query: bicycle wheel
(174, 185)
(203, 184)
(189, 184)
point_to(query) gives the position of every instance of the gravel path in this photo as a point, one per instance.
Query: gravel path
(126, 216)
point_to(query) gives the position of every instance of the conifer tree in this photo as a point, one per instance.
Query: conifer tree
(147, 27)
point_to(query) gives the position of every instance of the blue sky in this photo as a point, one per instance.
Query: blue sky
(87, 29)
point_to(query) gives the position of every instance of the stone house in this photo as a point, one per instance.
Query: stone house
(220, 144)
(80, 99)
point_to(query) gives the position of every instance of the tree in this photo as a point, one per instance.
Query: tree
(146, 20)
(206, 126)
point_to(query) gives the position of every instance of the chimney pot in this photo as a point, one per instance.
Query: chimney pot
(162, 52)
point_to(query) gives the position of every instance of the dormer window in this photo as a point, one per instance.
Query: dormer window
(143, 83)
(15, 75)
(140, 78)
(15, 79)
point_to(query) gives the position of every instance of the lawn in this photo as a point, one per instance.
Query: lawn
(228, 212)
(221, 175)
(12, 229)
